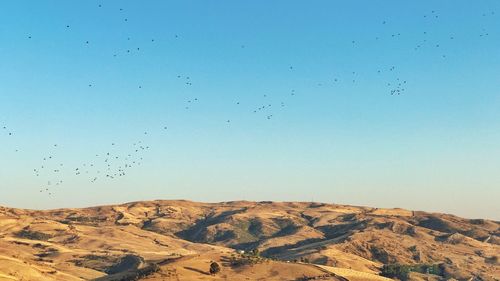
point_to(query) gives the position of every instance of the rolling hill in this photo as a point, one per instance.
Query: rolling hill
(178, 240)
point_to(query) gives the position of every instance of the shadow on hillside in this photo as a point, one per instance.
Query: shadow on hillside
(196, 270)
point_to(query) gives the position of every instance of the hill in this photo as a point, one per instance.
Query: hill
(178, 240)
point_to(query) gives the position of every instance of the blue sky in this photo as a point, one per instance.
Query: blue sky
(321, 72)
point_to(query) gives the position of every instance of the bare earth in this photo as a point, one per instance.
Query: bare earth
(178, 240)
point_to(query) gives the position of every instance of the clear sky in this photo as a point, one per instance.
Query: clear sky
(380, 103)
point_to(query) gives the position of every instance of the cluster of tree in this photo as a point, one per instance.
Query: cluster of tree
(302, 260)
(247, 258)
(402, 271)
(326, 276)
(33, 235)
(132, 275)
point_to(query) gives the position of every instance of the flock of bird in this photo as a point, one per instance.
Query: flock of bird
(117, 160)
(114, 162)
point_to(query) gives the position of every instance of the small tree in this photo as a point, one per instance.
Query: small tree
(256, 252)
(214, 268)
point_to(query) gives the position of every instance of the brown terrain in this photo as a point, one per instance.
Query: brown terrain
(179, 240)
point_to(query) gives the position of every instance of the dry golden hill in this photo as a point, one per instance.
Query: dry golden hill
(179, 240)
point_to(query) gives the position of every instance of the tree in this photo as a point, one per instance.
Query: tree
(255, 252)
(214, 268)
